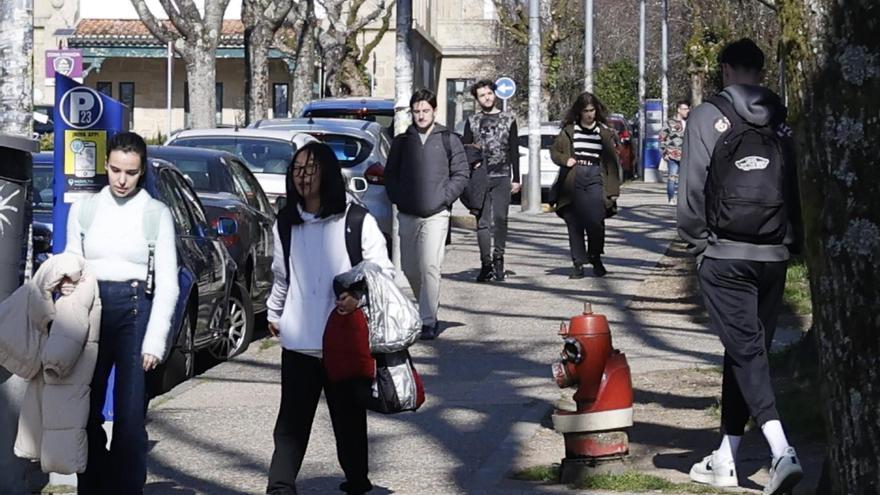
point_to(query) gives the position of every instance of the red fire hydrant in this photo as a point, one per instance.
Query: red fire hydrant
(596, 438)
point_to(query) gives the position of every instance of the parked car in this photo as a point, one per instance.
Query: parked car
(267, 153)
(43, 202)
(379, 110)
(362, 149)
(214, 310)
(227, 189)
(549, 170)
(625, 149)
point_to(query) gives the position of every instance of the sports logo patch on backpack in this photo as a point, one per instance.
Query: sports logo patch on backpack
(746, 186)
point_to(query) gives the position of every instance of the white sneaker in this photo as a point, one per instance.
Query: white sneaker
(785, 472)
(713, 472)
(673, 201)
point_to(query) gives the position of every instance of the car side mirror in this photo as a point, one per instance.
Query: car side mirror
(226, 227)
(358, 184)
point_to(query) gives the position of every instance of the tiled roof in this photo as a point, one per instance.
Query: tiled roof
(127, 32)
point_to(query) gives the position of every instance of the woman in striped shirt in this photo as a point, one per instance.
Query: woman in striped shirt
(589, 180)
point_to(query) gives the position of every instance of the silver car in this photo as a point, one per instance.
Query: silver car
(549, 170)
(362, 149)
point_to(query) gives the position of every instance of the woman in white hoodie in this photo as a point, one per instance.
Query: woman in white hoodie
(109, 230)
(301, 301)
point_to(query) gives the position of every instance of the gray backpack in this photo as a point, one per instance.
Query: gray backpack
(86, 216)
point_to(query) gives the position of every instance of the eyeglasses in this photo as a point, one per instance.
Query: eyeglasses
(307, 170)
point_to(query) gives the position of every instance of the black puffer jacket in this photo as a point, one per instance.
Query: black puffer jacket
(421, 179)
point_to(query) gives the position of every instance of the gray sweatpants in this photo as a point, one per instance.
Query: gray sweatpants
(422, 247)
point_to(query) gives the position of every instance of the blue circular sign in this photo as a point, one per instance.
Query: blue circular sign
(505, 88)
(81, 107)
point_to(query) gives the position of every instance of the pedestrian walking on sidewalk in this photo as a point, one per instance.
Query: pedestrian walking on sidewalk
(425, 173)
(671, 141)
(310, 250)
(495, 133)
(588, 184)
(739, 211)
(137, 280)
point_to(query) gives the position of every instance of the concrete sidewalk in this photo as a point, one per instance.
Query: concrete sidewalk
(487, 376)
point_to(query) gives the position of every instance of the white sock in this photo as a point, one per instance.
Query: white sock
(728, 447)
(775, 437)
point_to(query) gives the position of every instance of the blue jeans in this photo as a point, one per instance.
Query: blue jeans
(122, 469)
(672, 181)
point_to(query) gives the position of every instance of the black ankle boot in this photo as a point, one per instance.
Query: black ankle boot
(486, 273)
(498, 264)
(577, 272)
(598, 268)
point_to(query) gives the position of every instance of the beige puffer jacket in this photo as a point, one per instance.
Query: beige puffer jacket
(59, 361)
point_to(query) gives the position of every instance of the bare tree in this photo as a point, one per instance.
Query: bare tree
(347, 73)
(16, 71)
(194, 37)
(833, 79)
(262, 19)
(297, 41)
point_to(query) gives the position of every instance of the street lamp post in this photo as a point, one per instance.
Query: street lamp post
(588, 46)
(532, 203)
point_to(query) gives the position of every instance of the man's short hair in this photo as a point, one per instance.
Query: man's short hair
(742, 54)
(683, 101)
(482, 83)
(423, 95)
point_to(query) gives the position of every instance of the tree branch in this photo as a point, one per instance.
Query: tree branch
(155, 27)
(180, 23)
(383, 28)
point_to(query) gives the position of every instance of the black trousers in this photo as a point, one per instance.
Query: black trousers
(743, 299)
(302, 379)
(586, 214)
(492, 220)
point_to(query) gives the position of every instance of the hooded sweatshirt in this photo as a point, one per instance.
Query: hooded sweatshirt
(756, 105)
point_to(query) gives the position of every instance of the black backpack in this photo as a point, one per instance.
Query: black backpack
(354, 227)
(746, 186)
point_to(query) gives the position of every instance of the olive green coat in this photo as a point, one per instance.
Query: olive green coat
(563, 149)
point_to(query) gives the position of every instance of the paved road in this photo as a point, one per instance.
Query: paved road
(487, 376)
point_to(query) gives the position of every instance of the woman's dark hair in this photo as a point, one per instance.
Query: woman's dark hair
(573, 116)
(333, 200)
(423, 95)
(482, 83)
(130, 142)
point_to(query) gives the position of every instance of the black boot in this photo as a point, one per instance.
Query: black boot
(486, 273)
(598, 268)
(498, 263)
(578, 271)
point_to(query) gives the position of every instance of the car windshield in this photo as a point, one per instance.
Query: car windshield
(43, 181)
(382, 118)
(349, 150)
(261, 155)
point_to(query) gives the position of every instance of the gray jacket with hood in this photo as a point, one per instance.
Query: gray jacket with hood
(757, 105)
(420, 178)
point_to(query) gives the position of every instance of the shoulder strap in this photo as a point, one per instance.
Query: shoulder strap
(726, 108)
(447, 145)
(284, 225)
(354, 228)
(86, 216)
(152, 214)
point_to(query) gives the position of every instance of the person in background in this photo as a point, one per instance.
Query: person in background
(137, 309)
(671, 141)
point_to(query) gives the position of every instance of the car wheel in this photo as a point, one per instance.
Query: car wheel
(181, 363)
(238, 328)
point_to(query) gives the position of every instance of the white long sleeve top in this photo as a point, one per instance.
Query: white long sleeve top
(116, 251)
(317, 255)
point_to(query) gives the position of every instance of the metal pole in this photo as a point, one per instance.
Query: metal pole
(642, 126)
(588, 46)
(168, 84)
(532, 203)
(664, 63)
(403, 82)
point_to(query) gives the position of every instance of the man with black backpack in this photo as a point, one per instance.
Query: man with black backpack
(738, 208)
(425, 173)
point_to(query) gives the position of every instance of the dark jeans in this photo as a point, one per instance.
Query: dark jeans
(743, 299)
(302, 379)
(123, 469)
(672, 179)
(586, 214)
(492, 220)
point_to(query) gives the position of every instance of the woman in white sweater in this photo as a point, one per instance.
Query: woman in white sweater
(109, 231)
(301, 301)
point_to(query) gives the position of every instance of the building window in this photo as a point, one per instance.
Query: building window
(280, 102)
(459, 102)
(105, 87)
(218, 104)
(126, 96)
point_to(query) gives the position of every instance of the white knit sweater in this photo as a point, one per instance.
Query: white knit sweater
(116, 251)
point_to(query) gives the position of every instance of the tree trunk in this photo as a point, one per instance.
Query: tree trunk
(403, 69)
(697, 82)
(833, 75)
(353, 78)
(302, 88)
(16, 71)
(257, 41)
(202, 76)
